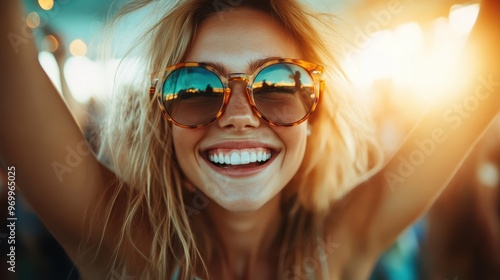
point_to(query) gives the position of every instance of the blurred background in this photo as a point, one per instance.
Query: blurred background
(399, 53)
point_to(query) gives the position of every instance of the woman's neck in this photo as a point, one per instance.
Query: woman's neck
(247, 240)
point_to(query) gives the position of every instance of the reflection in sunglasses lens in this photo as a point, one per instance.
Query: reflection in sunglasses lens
(193, 95)
(284, 93)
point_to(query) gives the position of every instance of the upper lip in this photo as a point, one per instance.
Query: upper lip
(241, 144)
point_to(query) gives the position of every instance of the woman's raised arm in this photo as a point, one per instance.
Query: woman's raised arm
(54, 167)
(440, 142)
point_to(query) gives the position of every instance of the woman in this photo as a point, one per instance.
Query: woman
(237, 185)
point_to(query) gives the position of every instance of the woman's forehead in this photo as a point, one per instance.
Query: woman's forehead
(238, 36)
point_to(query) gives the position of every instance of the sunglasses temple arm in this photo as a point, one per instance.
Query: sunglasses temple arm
(152, 88)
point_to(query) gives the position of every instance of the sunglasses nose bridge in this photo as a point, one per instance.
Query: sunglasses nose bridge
(235, 80)
(237, 76)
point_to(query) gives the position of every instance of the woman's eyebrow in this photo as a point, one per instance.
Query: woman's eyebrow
(252, 65)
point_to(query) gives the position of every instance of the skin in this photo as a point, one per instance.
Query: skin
(366, 222)
(245, 209)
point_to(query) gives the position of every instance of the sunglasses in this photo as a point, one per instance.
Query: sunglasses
(283, 92)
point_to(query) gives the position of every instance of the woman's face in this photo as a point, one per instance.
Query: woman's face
(236, 39)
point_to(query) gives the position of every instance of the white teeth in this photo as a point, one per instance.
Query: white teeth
(245, 157)
(237, 157)
(253, 157)
(259, 156)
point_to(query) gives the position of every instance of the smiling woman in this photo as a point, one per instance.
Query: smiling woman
(244, 119)
(235, 152)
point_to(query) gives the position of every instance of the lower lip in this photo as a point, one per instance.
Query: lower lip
(241, 170)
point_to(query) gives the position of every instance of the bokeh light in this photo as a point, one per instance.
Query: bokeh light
(462, 18)
(419, 63)
(50, 43)
(409, 38)
(377, 60)
(49, 65)
(488, 174)
(78, 48)
(33, 20)
(82, 76)
(46, 4)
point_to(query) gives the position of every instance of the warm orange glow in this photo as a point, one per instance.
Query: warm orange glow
(409, 38)
(46, 4)
(78, 48)
(33, 20)
(463, 18)
(378, 59)
(50, 43)
(419, 65)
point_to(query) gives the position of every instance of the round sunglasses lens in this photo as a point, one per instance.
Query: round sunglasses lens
(192, 96)
(284, 93)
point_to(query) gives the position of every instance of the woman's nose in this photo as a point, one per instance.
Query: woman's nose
(238, 114)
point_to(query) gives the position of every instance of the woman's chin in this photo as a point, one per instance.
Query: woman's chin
(241, 205)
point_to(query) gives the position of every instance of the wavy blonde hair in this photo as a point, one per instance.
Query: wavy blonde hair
(137, 143)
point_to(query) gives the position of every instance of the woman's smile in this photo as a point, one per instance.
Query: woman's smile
(240, 158)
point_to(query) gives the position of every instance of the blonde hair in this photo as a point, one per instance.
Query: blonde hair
(137, 143)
